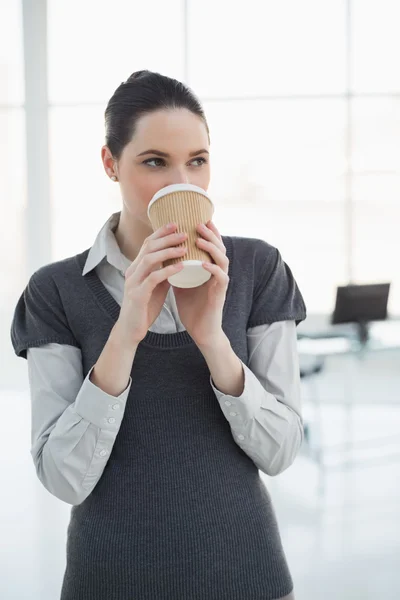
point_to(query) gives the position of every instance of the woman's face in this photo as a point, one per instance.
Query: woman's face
(169, 146)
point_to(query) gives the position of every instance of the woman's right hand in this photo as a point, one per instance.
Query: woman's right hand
(146, 284)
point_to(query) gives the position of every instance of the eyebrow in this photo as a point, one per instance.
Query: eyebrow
(165, 155)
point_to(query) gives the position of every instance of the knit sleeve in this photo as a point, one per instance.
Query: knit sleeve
(39, 317)
(276, 296)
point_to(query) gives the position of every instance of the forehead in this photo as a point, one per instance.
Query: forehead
(163, 128)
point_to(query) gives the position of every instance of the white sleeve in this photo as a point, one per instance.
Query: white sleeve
(266, 420)
(74, 423)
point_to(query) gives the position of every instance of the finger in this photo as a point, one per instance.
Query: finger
(220, 275)
(208, 234)
(218, 255)
(213, 228)
(163, 231)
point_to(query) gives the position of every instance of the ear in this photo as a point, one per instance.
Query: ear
(109, 163)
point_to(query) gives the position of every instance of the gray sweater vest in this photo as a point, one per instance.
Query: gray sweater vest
(180, 511)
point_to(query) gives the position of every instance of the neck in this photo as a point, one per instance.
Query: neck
(130, 235)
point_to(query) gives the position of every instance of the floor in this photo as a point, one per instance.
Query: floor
(342, 541)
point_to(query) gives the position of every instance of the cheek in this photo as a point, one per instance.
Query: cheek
(202, 178)
(143, 187)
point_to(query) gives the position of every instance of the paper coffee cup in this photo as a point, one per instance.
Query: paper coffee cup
(186, 205)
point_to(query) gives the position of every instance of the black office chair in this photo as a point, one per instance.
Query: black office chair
(313, 370)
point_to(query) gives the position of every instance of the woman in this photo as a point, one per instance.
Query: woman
(153, 408)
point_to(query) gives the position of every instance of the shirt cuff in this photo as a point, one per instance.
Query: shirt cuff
(245, 406)
(98, 407)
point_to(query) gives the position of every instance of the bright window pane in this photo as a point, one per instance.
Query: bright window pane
(267, 151)
(82, 195)
(376, 45)
(12, 202)
(264, 47)
(11, 53)
(382, 189)
(12, 230)
(376, 193)
(376, 135)
(377, 245)
(95, 45)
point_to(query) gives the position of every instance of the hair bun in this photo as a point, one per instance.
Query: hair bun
(137, 75)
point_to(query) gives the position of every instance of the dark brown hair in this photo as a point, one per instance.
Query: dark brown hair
(144, 92)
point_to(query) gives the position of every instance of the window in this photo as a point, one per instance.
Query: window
(302, 100)
(375, 46)
(95, 45)
(376, 192)
(11, 54)
(12, 178)
(265, 47)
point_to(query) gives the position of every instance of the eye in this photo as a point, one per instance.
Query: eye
(203, 161)
(150, 160)
(161, 163)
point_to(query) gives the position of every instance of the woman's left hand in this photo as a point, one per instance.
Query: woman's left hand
(200, 308)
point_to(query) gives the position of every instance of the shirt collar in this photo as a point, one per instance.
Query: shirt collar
(106, 247)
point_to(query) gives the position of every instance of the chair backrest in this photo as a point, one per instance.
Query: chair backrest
(313, 370)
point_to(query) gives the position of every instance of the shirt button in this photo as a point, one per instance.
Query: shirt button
(103, 453)
(111, 420)
(115, 406)
(233, 414)
(228, 403)
(241, 437)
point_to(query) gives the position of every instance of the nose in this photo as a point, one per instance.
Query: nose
(178, 176)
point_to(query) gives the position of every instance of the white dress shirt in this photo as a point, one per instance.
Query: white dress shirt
(69, 412)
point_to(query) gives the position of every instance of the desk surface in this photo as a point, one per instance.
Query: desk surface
(384, 335)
